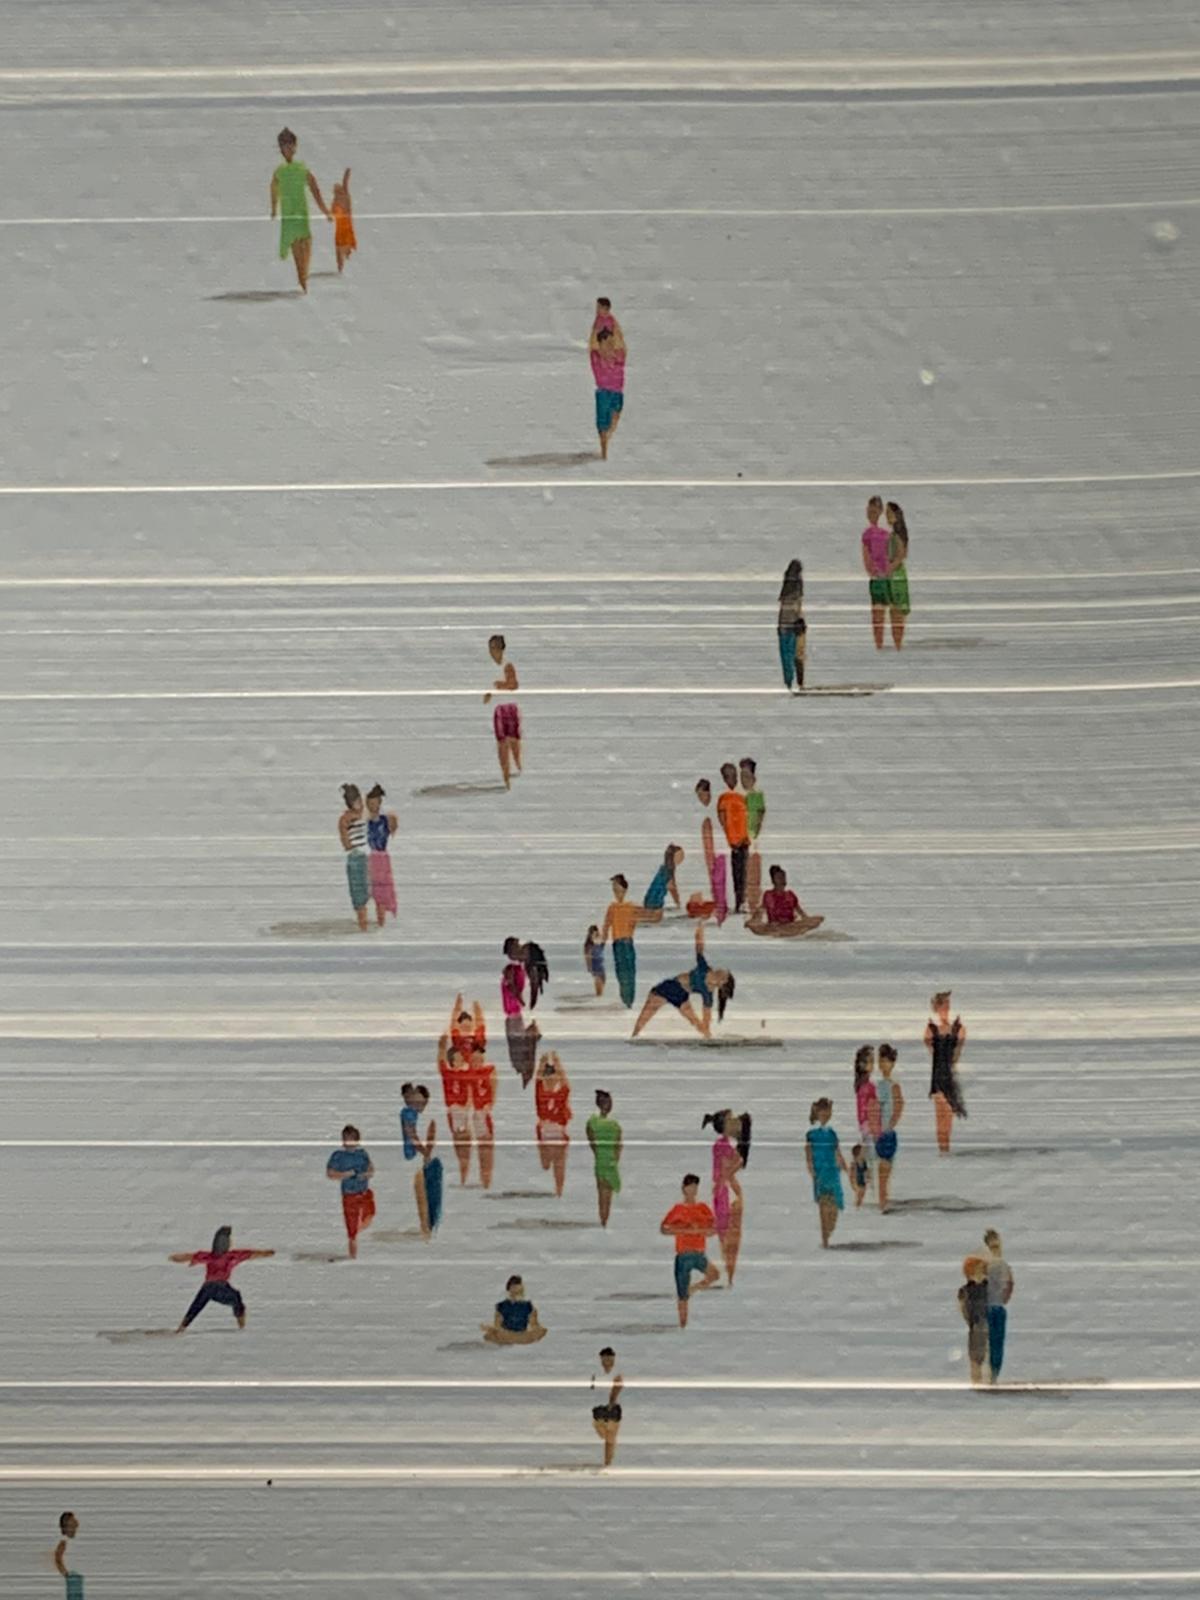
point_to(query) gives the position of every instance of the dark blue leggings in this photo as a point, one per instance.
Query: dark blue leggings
(223, 1293)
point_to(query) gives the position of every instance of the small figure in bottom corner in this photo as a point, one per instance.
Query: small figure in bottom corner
(68, 1527)
(973, 1303)
(218, 1264)
(606, 1419)
(506, 719)
(351, 1167)
(516, 1320)
(344, 241)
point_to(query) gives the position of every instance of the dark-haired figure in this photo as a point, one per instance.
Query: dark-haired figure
(218, 1264)
(791, 626)
(734, 819)
(522, 1036)
(662, 884)
(606, 350)
(707, 983)
(516, 1319)
(891, 1109)
(468, 1030)
(866, 1101)
(756, 815)
(351, 1166)
(606, 1419)
(945, 1040)
(552, 1104)
(826, 1164)
(781, 916)
(690, 1224)
(506, 719)
(973, 1304)
(68, 1527)
(730, 1154)
(291, 185)
(715, 865)
(607, 1141)
(877, 564)
(899, 604)
(427, 1185)
(381, 825)
(593, 959)
(620, 922)
(352, 831)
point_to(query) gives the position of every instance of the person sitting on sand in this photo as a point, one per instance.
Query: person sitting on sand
(781, 916)
(516, 1319)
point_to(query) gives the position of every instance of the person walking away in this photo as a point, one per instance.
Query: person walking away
(381, 825)
(506, 719)
(891, 1109)
(945, 1040)
(607, 1141)
(734, 819)
(715, 864)
(344, 241)
(690, 1223)
(999, 1292)
(791, 626)
(351, 1166)
(607, 352)
(291, 185)
(825, 1167)
(877, 566)
(756, 815)
(606, 1419)
(899, 604)
(352, 831)
(68, 1527)
(973, 1303)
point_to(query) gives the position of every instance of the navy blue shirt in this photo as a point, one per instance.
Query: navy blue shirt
(515, 1314)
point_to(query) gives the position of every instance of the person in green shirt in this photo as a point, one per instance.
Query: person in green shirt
(756, 811)
(290, 187)
(605, 1137)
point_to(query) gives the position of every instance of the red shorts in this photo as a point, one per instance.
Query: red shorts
(506, 722)
(359, 1212)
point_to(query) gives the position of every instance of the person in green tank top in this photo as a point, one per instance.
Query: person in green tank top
(605, 1137)
(290, 187)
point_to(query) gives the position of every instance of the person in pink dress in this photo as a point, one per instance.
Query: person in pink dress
(877, 564)
(730, 1153)
(606, 348)
(866, 1102)
(381, 825)
(522, 1037)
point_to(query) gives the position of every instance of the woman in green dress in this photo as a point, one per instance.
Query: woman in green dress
(290, 185)
(898, 601)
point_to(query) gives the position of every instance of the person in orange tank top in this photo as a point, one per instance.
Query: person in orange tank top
(344, 241)
(735, 820)
(552, 1094)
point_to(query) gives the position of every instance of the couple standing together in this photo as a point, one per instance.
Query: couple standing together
(364, 830)
(741, 814)
(884, 557)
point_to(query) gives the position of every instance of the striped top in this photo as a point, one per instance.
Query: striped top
(356, 832)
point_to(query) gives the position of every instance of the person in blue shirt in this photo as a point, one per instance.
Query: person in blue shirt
(516, 1320)
(705, 982)
(662, 884)
(351, 1167)
(427, 1185)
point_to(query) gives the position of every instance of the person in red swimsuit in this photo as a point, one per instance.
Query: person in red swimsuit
(552, 1094)
(483, 1101)
(468, 1031)
(455, 1071)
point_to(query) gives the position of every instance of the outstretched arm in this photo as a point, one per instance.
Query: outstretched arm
(183, 1257)
(260, 1255)
(699, 938)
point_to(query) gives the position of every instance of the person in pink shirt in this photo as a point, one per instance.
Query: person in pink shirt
(522, 1037)
(877, 564)
(606, 348)
(218, 1264)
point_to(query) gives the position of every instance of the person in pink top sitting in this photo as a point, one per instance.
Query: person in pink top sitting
(607, 350)
(877, 564)
(781, 916)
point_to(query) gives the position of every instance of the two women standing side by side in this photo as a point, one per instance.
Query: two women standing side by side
(364, 831)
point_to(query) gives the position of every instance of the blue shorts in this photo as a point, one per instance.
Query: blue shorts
(686, 1263)
(672, 991)
(885, 1145)
(609, 402)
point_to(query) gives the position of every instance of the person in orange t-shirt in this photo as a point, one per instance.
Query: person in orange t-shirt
(690, 1223)
(735, 819)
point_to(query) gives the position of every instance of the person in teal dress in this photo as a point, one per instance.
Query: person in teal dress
(825, 1166)
(291, 184)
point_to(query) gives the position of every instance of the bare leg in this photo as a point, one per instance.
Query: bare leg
(545, 1154)
(560, 1168)
(598, 985)
(731, 1244)
(877, 625)
(352, 1242)
(487, 1160)
(361, 913)
(898, 620)
(885, 1179)
(604, 1198)
(502, 756)
(462, 1149)
(515, 746)
(827, 1207)
(682, 1307)
(422, 1205)
(604, 447)
(701, 1024)
(654, 1003)
(341, 258)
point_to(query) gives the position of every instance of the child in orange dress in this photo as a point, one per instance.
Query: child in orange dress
(344, 242)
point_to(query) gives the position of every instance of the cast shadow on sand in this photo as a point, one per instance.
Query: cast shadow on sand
(878, 1244)
(983, 1151)
(952, 644)
(517, 1194)
(948, 1204)
(393, 1235)
(455, 791)
(251, 297)
(764, 1041)
(527, 1224)
(547, 458)
(632, 1330)
(321, 928)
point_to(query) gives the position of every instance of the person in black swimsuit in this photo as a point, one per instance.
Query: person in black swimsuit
(945, 1040)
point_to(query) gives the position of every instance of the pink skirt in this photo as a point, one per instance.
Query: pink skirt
(383, 889)
(506, 722)
(719, 881)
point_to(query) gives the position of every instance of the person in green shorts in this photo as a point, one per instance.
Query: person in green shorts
(756, 812)
(290, 187)
(607, 1141)
(899, 605)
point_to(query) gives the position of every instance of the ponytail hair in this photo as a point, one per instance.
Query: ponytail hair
(862, 1057)
(743, 1143)
(222, 1240)
(724, 995)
